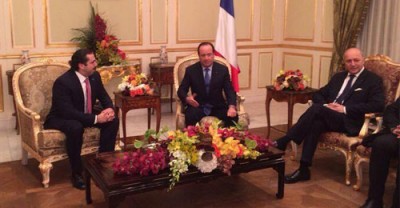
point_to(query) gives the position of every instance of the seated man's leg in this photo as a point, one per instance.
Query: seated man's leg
(221, 113)
(384, 148)
(108, 134)
(193, 115)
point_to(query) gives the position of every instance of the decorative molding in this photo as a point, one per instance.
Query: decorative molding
(249, 73)
(1, 91)
(259, 65)
(272, 22)
(323, 19)
(12, 23)
(320, 67)
(294, 38)
(166, 23)
(250, 26)
(299, 54)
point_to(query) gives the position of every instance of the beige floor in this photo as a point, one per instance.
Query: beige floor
(10, 150)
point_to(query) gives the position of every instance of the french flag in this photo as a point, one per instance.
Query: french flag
(225, 42)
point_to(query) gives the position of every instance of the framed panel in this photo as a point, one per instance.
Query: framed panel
(124, 19)
(300, 20)
(324, 65)
(1, 91)
(265, 76)
(21, 17)
(327, 21)
(267, 19)
(158, 21)
(243, 19)
(294, 61)
(244, 61)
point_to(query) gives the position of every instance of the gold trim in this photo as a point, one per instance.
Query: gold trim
(272, 24)
(272, 67)
(139, 5)
(166, 24)
(299, 39)
(300, 54)
(250, 71)
(32, 20)
(320, 67)
(1, 91)
(251, 24)
(323, 28)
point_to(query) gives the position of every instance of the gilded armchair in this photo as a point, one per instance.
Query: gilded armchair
(390, 72)
(32, 85)
(347, 145)
(179, 72)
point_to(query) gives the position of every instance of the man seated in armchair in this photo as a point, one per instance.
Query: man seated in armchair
(74, 95)
(339, 106)
(385, 146)
(207, 80)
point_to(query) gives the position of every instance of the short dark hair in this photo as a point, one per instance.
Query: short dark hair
(79, 57)
(203, 44)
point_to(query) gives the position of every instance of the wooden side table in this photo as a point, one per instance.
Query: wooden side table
(127, 103)
(163, 74)
(10, 74)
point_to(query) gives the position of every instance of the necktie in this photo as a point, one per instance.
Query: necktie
(207, 79)
(346, 90)
(88, 96)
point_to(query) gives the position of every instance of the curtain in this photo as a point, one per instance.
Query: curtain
(349, 16)
(381, 32)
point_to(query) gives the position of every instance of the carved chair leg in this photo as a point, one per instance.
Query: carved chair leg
(45, 168)
(294, 151)
(24, 160)
(349, 166)
(359, 173)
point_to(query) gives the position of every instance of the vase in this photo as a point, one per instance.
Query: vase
(163, 55)
(25, 59)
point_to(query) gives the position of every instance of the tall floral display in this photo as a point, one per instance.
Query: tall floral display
(97, 38)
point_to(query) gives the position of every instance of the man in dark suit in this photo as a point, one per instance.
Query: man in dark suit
(74, 94)
(385, 146)
(207, 80)
(339, 106)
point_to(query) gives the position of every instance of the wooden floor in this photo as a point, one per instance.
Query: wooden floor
(20, 187)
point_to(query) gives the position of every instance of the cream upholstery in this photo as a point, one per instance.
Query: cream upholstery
(32, 85)
(179, 72)
(390, 74)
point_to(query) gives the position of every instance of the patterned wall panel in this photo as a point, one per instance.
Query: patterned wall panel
(294, 61)
(265, 75)
(267, 19)
(324, 66)
(159, 21)
(300, 20)
(244, 61)
(123, 19)
(21, 17)
(327, 21)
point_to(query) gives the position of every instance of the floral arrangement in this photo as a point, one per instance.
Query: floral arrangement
(135, 84)
(208, 148)
(290, 80)
(97, 38)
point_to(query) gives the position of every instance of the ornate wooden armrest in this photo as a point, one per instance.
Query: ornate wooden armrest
(367, 124)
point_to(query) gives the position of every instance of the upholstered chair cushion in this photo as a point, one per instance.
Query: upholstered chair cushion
(339, 139)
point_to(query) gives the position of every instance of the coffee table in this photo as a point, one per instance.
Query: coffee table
(116, 187)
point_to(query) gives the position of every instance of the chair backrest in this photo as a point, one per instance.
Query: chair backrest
(390, 73)
(33, 83)
(182, 64)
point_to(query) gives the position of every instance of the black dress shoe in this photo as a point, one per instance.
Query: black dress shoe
(370, 203)
(298, 175)
(77, 182)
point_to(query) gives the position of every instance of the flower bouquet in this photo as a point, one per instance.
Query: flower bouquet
(96, 38)
(207, 147)
(290, 80)
(135, 84)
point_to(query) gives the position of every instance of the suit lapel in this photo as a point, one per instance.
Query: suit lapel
(357, 84)
(78, 89)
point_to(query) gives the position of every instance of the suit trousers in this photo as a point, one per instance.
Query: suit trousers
(384, 148)
(315, 121)
(74, 129)
(194, 115)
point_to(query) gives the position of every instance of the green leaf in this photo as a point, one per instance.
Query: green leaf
(250, 144)
(138, 144)
(148, 134)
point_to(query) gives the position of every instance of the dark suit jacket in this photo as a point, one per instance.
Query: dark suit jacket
(366, 96)
(220, 82)
(68, 100)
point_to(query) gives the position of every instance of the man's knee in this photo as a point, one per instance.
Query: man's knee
(74, 127)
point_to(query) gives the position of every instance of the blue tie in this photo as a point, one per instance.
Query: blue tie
(346, 90)
(207, 79)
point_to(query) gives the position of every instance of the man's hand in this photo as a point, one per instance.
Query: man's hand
(106, 115)
(335, 107)
(231, 111)
(191, 101)
(396, 131)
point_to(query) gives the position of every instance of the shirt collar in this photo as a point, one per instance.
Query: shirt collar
(358, 74)
(204, 68)
(80, 77)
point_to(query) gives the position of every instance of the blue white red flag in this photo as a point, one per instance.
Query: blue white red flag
(225, 41)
